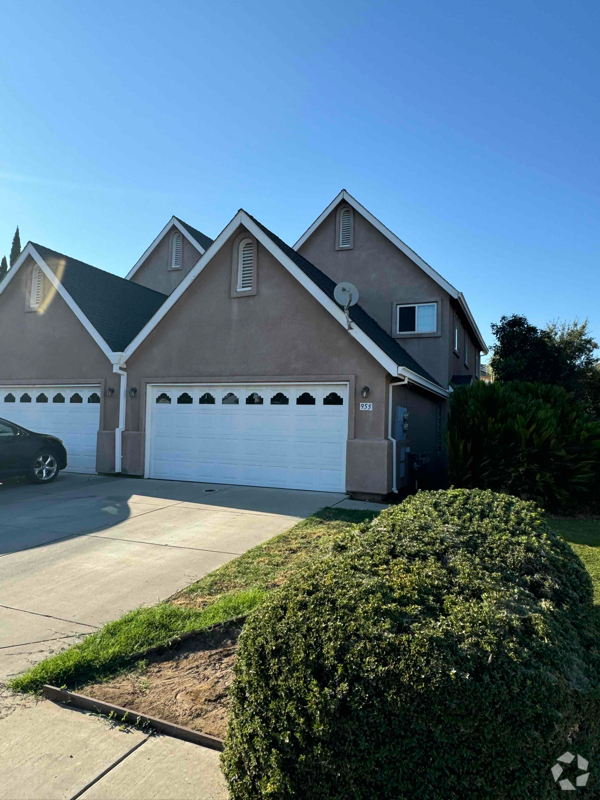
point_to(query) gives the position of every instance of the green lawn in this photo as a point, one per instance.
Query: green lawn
(584, 537)
(233, 590)
(230, 591)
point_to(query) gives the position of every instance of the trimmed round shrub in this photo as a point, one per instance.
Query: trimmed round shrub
(532, 440)
(443, 651)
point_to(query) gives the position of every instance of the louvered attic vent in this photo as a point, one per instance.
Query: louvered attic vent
(346, 228)
(37, 286)
(245, 266)
(176, 246)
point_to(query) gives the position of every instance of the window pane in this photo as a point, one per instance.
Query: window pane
(406, 319)
(426, 318)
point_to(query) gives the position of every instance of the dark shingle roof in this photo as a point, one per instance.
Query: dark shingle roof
(357, 314)
(202, 239)
(462, 380)
(116, 307)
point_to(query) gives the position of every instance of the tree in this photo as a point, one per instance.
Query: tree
(3, 267)
(562, 354)
(580, 348)
(15, 250)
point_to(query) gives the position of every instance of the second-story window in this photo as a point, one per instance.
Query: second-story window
(466, 350)
(416, 318)
(176, 250)
(455, 335)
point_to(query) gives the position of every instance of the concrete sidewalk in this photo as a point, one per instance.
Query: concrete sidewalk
(48, 752)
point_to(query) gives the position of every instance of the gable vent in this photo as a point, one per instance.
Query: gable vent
(176, 247)
(37, 288)
(346, 228)
(245, 266)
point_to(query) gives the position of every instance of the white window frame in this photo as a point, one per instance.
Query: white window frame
(240, 275)
(415, 306)
(456, 335)
(176, 236)
(466, 350)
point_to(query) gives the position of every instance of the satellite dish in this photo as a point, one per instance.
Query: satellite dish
(346, 294)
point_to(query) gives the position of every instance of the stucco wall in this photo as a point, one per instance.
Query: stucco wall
(281, 333)
(386, 277)
(50, 345)
(155, 272)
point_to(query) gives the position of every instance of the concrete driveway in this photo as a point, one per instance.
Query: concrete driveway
(86, 549)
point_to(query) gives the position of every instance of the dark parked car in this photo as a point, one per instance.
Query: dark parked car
(38, 456)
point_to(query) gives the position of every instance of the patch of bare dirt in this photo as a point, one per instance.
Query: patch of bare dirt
(187, 684)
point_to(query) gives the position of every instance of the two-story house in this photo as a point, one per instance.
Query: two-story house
(230, 361)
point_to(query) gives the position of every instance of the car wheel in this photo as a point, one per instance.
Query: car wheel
(44, 468)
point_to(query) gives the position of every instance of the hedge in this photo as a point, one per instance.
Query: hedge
(527, 439)
(443, 651)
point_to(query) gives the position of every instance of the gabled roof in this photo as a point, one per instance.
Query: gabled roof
(111, 309)
(366, 331)
(117, 308)
(200, 241)
(416, 259)
(357, 313)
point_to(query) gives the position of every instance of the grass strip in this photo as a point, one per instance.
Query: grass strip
(584, 537)
(234, 589)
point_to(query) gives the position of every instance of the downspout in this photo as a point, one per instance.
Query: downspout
(403, 382)
(122, 409)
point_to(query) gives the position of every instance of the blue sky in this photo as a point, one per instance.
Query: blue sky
(470, 129)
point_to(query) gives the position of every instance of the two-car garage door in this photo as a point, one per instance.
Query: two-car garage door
(70, 412)
(280, 435)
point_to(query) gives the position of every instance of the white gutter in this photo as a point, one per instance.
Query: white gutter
(122, 409)
(414, 378)
(390, 431)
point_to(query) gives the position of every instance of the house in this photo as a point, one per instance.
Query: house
(230, 361)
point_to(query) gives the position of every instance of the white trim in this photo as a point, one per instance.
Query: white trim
(392, 439)
(452, 291)
(122, 411)
(241, 218)
(181, 228)
(31, 251)
(429, 385)
(415, 306)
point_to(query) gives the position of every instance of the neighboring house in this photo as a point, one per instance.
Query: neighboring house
(486, 373)
(229, 361)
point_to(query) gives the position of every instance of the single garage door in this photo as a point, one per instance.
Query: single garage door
(70, 412)
(281, 435)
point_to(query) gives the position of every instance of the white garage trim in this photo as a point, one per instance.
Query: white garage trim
(298, 441)
(69, 411)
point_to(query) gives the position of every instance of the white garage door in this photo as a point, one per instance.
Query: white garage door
(70, 412)
(282, 435)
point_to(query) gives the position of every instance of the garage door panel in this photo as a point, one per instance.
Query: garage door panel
(297, 441)
(70, 412)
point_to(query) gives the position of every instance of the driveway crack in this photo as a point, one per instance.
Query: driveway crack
(50, 616)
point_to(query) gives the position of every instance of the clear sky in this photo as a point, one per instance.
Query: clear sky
(471, 129)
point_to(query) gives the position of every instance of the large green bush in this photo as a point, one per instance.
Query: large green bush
(531, 440)
(441, 652)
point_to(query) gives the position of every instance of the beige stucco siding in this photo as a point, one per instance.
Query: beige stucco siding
(280, 334)
(385, 277)
(154, 272)
(50, 345)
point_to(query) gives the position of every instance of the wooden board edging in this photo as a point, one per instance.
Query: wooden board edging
(132, 717)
